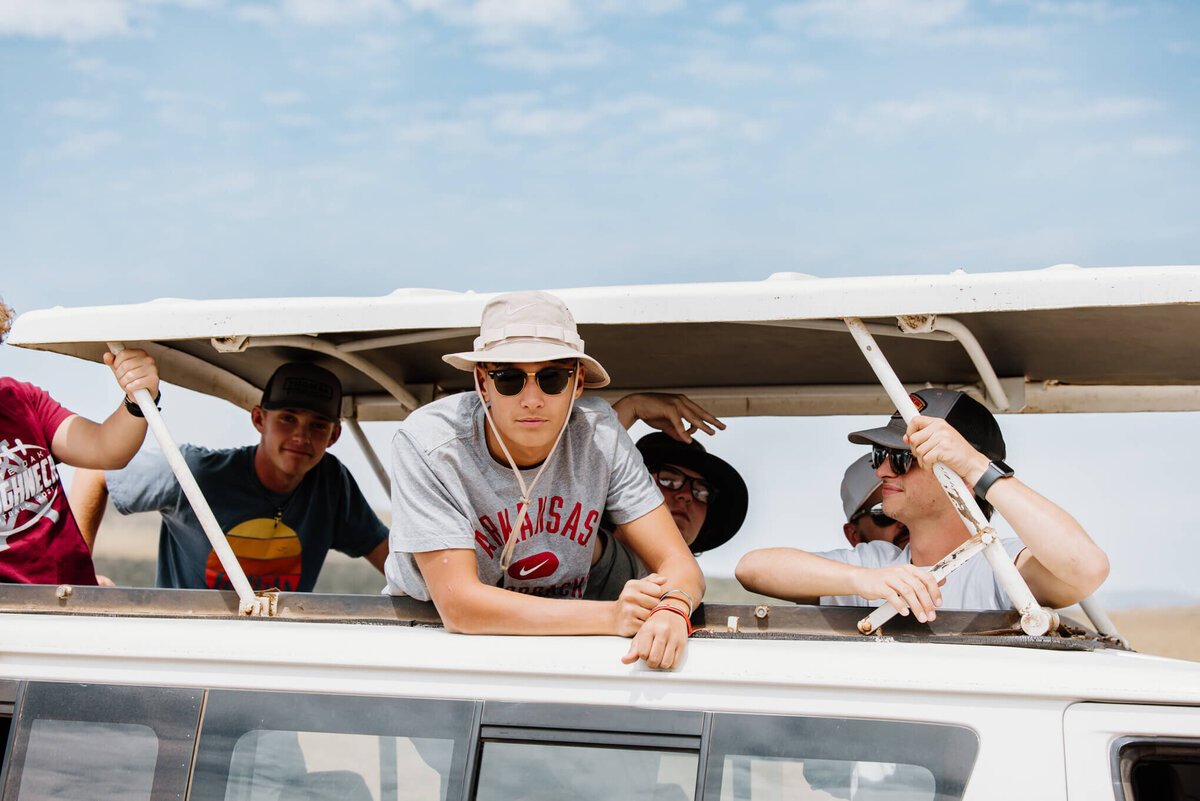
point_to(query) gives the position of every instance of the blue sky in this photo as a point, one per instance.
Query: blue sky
(210, 148)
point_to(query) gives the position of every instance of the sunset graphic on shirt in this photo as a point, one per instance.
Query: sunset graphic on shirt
(269, 552)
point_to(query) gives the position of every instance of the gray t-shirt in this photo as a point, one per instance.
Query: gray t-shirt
(448, 492)
(972, 586)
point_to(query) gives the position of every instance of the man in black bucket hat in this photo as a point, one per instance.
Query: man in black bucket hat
(1056, 557)
(706, 496)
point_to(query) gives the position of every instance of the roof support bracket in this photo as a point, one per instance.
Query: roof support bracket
(929, 323)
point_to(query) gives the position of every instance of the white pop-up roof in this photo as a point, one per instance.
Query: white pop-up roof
(1059, 339)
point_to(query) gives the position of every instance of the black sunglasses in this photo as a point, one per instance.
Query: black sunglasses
(901, 459)
(551, 380)
(877, 516)
(673, 480)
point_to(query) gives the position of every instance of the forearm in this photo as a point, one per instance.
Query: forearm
(106, 446)
(88, 498)
(681, 572)
(495, 610)
(1068, 565)
(795, 575)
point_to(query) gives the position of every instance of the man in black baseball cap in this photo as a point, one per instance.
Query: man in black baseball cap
(1057, 558)
(283, 503)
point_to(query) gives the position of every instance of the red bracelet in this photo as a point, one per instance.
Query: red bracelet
(677, 611)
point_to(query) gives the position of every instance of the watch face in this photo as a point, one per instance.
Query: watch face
(1005, 470)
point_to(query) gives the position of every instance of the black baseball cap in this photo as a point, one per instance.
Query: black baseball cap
(727, 510)
(303, 385)
(968, 416)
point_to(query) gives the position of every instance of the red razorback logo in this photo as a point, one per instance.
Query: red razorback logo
(918, 402)
(537, 566)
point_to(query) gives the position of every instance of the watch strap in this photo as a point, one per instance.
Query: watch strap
(996, 470)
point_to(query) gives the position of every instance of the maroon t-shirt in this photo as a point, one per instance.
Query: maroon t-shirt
(40, 542)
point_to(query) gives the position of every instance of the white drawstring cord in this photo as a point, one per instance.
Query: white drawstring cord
(523, 510)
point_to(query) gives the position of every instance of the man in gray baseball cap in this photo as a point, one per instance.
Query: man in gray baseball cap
(862, 502)
(1058, 560)
(497, 494)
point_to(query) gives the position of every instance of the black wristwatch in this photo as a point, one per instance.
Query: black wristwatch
(135, 410)
(996, 470)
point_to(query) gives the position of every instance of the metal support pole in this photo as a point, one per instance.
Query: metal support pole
(248, 602)
(1034, 619)
(369, 452)
(1100, 619)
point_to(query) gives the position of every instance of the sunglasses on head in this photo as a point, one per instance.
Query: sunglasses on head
(876, 514)
(511, 380)
(901, 459)
(671, 479)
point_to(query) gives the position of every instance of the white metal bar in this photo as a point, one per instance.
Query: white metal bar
(838, 326)
(248, 602)
(365, 367)
(369, 452)
(987, 373)
(1100, 619)
(414, 338)
(1034, 619)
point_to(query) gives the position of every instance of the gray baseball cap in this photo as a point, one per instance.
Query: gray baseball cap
(858, 484)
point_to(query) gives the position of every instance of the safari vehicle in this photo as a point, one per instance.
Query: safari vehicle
(156, 694)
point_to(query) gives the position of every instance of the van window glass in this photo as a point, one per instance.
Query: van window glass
(70, 759)
(1162, 769)
(513, 771)
(99, 742)
(769, 757)
(277, 746)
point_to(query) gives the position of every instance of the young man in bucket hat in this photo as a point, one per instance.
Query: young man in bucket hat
(1056, 557)
(862, 501)
(497, 494)
(283, 503)
(706, 496)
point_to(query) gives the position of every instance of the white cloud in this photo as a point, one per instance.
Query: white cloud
(73, 20)
(320, 12)
(103, 70)
(187, 113)
(80, 109)
(714, 69)
(891, 117)
(928, 22)
(84, 146)
(581, 54)
(732, 14)
(297, 121)
(1096, 11)
(288, 97)
(1160, 146)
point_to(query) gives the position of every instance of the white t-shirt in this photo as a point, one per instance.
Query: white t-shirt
(972, 586)
(448, 492)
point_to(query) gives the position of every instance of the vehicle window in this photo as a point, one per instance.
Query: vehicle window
(1159, 770)
(275, 746)
(97, 742)
(511, 771)
(768, 757)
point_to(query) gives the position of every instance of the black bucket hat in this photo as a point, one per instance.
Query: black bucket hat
(727, 511)
(967, 415)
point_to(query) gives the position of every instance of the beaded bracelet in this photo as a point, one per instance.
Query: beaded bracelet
(691, 606)
(686, 619)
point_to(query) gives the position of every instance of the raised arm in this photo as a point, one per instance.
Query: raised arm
(109, 445)
(676, 415)
(803, 577)
(1060, 562)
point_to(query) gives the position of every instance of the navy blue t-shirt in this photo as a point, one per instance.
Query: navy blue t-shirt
(280, 540)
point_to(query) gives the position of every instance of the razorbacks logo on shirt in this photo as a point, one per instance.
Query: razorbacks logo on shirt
(552, 515)
(268, 551)
(28, 487)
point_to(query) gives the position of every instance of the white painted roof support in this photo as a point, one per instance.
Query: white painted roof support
(369, 452)
(364, 366)
(248, 602)
(926, 323)
(1034, 619)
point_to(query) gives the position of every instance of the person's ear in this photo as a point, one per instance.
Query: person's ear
(481, 379)
(259, 418)
(580, 377)
(852, 535)
(333, 437)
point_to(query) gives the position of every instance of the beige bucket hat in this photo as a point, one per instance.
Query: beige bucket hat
(528, 327)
